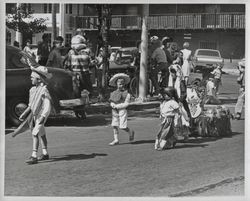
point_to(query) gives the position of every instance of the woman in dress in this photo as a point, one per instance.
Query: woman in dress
(186, 67)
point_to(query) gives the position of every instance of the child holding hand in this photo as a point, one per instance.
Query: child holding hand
(119, 101)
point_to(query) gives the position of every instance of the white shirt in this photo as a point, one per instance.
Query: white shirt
(168, 108)
(210, 88)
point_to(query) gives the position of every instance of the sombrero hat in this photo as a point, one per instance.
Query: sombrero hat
(113, 80)
(42, 71)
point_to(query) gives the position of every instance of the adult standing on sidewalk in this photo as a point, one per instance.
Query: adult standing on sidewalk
(168, 49)
(158, 63)
(55, 58)
(43, 50)
(78, 61)
(186, 68)
(241, 98)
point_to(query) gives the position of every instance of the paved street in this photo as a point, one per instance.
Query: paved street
(82, 163)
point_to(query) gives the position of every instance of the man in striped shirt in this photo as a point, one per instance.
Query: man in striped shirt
(78, 61)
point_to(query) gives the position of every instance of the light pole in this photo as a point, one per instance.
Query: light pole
(62, 26)
(144, 54)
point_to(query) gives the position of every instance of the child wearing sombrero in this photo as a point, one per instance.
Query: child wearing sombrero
(38, 110)
(119, 101)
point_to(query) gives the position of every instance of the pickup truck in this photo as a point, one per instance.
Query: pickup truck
(206, 58)
(18, 84)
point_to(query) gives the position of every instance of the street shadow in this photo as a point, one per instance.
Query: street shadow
(237, 133)
(90, 121)
(70, 157)
(7, 131)
(143, 142)
(200, 140)
(187, 145)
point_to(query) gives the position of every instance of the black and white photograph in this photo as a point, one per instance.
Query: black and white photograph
(124, 100)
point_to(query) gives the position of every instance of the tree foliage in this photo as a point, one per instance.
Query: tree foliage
(21, 19)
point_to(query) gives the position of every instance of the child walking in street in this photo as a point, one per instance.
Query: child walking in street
(38, 111)
(217, 73)
(168, 109)
(119, 101)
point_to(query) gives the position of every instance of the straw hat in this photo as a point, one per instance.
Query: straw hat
(113, 80)
(42, 71)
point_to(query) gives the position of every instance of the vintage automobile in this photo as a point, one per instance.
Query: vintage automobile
(122, 61)
(18, 84)
(206, 58)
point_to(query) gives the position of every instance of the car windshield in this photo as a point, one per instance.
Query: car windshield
(210, 53)
(124, 56)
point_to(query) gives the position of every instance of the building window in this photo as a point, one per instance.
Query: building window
(208, 45)
(68, 8)
(47, 8)
(27, 7)
(10, 7)
(68, 39)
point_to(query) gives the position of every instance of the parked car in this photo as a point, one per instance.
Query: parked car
(123, 61)
(206, 58)
(18, 84)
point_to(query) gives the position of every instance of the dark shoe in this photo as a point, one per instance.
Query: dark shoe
(132, 136)
(43, 157)
(31, 160)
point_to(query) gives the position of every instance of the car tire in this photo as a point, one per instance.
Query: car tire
(15, 107)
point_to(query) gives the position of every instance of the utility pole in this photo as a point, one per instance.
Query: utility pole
(104, 18)
(54, 31)
(144, 54)
(62, 26)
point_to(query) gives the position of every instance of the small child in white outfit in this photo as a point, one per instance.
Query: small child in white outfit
(217, 72)
(119, 101)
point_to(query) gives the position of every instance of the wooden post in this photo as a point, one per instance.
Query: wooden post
(144, 55)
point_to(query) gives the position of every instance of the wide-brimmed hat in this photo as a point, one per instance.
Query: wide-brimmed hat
(113, 80)
(42, 71)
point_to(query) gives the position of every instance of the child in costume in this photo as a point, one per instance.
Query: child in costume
(119, 101)
(168, 109)
(38, 110)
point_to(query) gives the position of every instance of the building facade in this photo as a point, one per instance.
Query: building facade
(216, 26)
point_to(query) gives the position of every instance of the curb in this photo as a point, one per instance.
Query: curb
(139, 106)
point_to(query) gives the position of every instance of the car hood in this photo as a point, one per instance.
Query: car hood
(114, 65)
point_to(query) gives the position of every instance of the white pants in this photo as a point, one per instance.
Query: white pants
(240, 102)
(119, 118)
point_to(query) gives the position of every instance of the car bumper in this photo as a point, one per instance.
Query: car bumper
(74, 102)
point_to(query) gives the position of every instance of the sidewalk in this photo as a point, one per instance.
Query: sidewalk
(151, 102)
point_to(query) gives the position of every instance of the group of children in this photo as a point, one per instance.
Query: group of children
(174, 117)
